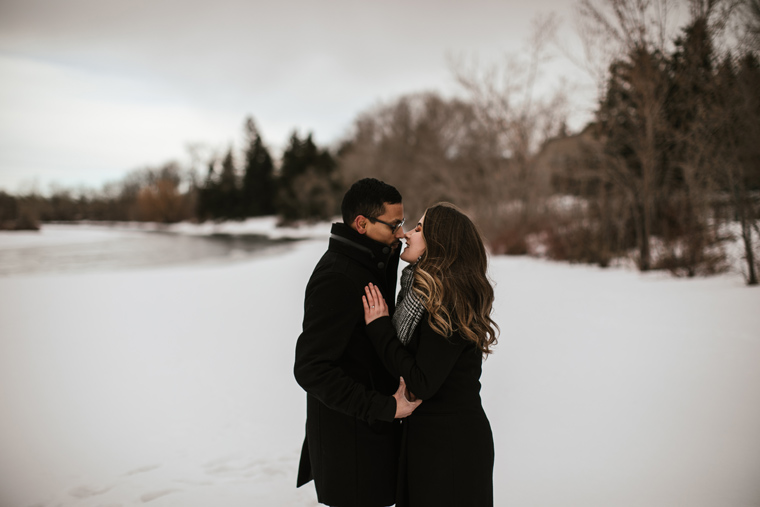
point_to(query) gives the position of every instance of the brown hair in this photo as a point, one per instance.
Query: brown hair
(451, 277)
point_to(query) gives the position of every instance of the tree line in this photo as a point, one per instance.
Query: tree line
(678, 131)
(666, 171)
(304, 185)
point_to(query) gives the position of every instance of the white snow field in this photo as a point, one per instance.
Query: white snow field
(173, 386)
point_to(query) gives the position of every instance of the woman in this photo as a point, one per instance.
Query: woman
(440, 332)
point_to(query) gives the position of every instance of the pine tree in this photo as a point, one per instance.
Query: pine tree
(228, 189)
(258, 192)
(690, 240)
(309, 187)
(737, 123)
(207, 193)
(632, 114)
(219, 197)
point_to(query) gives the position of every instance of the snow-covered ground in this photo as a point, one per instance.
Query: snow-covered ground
(174, 386)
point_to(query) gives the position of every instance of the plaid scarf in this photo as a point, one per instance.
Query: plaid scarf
(409, 307)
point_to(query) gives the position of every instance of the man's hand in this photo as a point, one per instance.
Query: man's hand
(404, 407)
(409, 395)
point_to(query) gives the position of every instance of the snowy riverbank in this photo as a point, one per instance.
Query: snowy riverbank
(174, 386)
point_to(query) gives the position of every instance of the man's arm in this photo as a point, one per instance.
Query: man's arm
(332, 310)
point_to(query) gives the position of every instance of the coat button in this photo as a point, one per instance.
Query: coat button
(380, 265)
(386, 250)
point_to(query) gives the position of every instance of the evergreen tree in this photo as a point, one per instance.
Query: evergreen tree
(258, 192)
(228, 189)
(218, 198)
(737, 151)
(207, 195)
(309, 184)
(632, 116)
(685, 226)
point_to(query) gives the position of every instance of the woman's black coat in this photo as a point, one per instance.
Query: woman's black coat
(352, 441)
(447, 450)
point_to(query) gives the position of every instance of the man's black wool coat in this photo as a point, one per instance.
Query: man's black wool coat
(352, 441)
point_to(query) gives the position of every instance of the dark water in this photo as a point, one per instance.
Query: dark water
(113, 250)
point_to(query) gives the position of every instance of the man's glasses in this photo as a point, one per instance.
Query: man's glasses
(393, 227)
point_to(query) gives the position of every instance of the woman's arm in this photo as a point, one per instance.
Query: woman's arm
(436, 355)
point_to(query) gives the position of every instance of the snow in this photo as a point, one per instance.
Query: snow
(174, 386)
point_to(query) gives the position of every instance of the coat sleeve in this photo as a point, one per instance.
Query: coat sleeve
(331, 312)
(424, 372)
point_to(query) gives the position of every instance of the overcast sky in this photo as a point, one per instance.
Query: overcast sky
(90, 89)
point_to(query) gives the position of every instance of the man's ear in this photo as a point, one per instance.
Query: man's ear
(360, 224)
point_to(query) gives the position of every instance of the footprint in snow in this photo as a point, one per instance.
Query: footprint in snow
(142, 470)
(249, 468)
(149, 497)
(87, 492)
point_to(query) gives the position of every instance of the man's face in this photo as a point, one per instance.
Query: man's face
(393, 214)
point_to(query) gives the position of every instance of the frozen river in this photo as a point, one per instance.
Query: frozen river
(80, 248)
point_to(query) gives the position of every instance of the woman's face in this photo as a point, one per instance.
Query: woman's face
(415, 243)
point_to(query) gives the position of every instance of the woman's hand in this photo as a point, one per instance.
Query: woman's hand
(374, 304)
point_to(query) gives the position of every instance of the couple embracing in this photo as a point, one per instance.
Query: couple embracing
(393, 387)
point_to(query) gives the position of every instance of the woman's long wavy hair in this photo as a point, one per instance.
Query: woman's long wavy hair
(451, 277)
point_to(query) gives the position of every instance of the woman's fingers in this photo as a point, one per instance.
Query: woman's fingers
(374, 304)
(371, 302)
(376, 295)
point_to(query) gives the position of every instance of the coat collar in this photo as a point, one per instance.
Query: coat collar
(366, 251)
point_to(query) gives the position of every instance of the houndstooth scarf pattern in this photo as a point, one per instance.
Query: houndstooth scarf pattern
(409, 308)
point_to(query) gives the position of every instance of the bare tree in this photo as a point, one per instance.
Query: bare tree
(423, 144)
(740, 22)
(611, 29)
(160, 199)
(514, 119)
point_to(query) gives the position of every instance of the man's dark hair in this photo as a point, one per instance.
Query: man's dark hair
(367, 197)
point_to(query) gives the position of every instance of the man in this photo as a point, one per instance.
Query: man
(352, 442)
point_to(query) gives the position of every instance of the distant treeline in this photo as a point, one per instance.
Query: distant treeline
(304, 185)
(669, 166)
